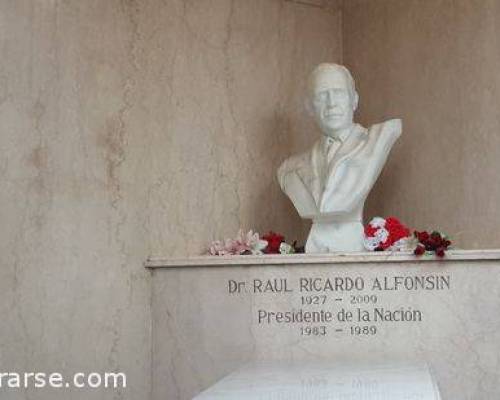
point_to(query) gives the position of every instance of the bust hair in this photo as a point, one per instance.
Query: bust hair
(329, 68)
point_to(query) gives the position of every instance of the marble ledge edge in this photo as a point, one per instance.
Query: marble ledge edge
(301, 259)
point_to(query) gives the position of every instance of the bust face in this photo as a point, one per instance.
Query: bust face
(334, 100)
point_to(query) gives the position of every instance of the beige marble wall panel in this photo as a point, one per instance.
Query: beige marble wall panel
(130, 128)
(226, 107)
(434, 64)
(205, 328)
(73, 294)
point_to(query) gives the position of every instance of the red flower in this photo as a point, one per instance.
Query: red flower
(436, 235)
(422, 236)
(419, 250)
(435, 242)
(440, 251)
(385, 245)
(370, 230)
(273, 242)
(391, 226)
(396, 230)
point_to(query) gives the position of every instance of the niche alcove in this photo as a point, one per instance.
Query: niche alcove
(432, 64)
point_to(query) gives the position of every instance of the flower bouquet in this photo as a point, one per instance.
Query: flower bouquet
(390, 234)
(252, 244)
(386, 234)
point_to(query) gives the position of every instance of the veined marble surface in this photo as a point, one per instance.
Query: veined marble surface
(129, 127)
(332, 258)
(324, 381)
(441, 172)
(210, 321)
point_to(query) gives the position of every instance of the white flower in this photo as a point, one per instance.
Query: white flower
(404, 244)
(217, 248)
(258, 246)
(382, 234)
(371, 243)
(285, 248)
(253, 241)
(377, 222)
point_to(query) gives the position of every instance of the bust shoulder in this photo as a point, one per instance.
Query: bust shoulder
(380, 139)
(392, 127)
(292, 164)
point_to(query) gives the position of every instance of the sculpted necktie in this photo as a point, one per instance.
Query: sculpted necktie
(331, 149)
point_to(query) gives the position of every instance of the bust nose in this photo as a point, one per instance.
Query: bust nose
(330, 98)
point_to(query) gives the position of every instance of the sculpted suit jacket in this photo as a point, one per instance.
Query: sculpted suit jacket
(341, 192)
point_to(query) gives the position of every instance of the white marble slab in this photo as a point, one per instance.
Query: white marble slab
(210, 321)
(331, 258)
(325, 381)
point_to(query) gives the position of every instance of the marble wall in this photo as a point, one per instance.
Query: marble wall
(131, 128)
(229, 78)
(434, 64)
(74, 295)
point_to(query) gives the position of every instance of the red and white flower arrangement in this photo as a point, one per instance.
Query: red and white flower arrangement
(380, 234)
(251, 243)
(391, 235)
(386, 234)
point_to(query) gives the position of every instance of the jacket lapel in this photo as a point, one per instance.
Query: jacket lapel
(310, 172)
(360, 136)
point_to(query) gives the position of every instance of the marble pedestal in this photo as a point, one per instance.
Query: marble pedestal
(213, 315)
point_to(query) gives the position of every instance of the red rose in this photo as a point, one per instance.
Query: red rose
(422, 237)
(273, 242)
(432, 242)
(384, 245)
(419, 250)
(370, 230)
(392, 222)
(440, 252)
(396, 230)
(436, 235)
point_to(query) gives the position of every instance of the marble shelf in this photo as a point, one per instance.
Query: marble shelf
(302, 259)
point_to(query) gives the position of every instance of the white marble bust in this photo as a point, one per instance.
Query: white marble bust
(330, 182)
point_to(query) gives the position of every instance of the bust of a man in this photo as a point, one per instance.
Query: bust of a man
(330, 182)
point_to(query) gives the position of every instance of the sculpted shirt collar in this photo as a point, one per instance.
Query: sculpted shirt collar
(329, 140)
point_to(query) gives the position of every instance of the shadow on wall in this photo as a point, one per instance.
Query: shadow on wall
(269, 202)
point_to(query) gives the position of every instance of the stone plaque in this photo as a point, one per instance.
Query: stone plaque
(210, 321)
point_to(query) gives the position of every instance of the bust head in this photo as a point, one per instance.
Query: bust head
(333, 97)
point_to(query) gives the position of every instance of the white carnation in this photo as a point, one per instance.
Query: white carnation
(285, 248)
(382, 234)
(371, 243)
(378, 222)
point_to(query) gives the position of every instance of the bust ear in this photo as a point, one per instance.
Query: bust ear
(355, 101)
